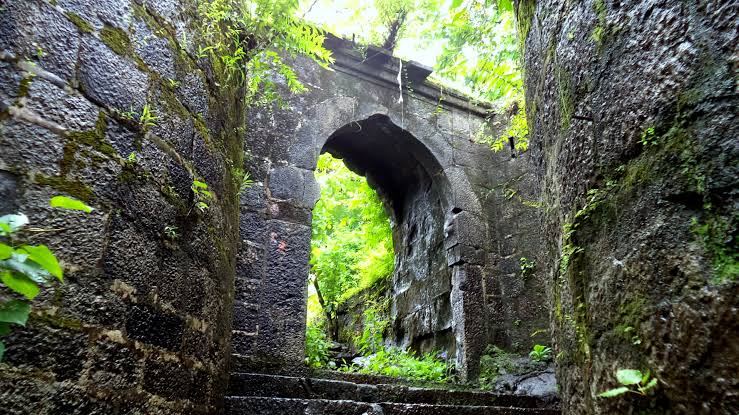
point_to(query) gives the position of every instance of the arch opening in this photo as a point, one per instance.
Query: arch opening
(411, 183)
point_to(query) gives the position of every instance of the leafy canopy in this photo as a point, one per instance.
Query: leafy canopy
(473, 45)
(243, 38)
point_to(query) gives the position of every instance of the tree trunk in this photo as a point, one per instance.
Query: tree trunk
(331, 321)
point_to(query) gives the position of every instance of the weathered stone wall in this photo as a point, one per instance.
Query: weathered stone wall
(142, 322)
(464, 215)
(632, 108)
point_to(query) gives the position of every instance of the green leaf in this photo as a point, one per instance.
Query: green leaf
(455, 4)
(4, 329)
(15, 311)
(652, 383)
(11, 223)
(505, 5)
(43, 256)
(18, 262)
(2, 350)
(644, 377)
(198, 184)
(20, 284)
(5, 251)
(628, 376)
(614, 392)
(65, 202)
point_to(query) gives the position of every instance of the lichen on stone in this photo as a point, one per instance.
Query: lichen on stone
(116, 39)
(78, 21)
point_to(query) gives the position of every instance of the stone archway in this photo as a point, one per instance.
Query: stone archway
(438, 281)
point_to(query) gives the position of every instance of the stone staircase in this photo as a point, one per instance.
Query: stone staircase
(261, 394)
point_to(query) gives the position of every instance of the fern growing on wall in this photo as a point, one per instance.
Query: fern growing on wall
(243, 39)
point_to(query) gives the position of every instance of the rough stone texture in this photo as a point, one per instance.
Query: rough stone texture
(142, 323)
(463, 216)
(642, 271)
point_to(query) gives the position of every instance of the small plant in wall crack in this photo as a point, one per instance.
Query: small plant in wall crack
(648, 137)
(132, 159)
(632, 381)
(540, 353)
(202, 195)
(23, 267)
(147, 119)
(242, 179)
(172, 232)
(527, 267)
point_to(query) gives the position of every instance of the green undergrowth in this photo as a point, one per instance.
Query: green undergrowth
(492, 363)
(396, 362)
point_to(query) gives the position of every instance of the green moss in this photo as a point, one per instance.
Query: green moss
(116, 39)
(74, 188)
(24, 85)
(58, 321)
(597, 35)
(494, 362)
(600, 10)
(127, 175)
(632, 310)
(78, 21)
(199, 123)
(718, 236)
(524, 17)
(94, 139)
(566, 97)
(169, 101)
(601, 29)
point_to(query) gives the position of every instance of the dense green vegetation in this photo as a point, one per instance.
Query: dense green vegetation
(396, 362)
(352, 245)
(352, 250)
(243, 39)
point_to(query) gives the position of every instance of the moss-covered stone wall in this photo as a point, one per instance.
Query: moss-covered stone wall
(632, 108)
(142, 321)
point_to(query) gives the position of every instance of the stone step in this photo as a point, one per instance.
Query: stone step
(292, 406)
(289, 387)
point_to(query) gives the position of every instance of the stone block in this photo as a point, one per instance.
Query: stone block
(246, 317)
(109, 79)
(155, 51)
(154, 327)
(113, 366)
(29, 147)
(249, 262)
(169, 379)
(252, 228)
(71, 111)
(27, 26)
(247, 289)
(243, 343)
(99, 13)
(57, 350)
(8, 192)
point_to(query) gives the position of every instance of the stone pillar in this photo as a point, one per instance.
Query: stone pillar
(271, 317)
(463, 240)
